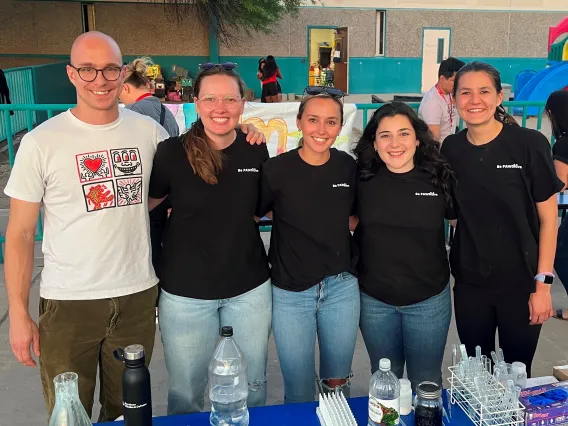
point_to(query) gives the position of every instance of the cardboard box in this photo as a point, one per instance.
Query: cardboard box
(560, 372)
(546, 405)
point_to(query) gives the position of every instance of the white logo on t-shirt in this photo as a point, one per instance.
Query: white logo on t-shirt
(338, 185)
(426, 194)
(253, 170)
(509, 166)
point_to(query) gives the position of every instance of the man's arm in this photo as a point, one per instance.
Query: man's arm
(20, 237)
(435, 130)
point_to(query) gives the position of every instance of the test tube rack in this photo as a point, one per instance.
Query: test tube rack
(486, 409)
(334, 410)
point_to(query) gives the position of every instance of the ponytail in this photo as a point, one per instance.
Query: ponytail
(136, 72)
(205, 161)
(504, 117)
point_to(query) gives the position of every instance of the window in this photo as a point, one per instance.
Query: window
(88, 15)
(380, 42)
(440, 56)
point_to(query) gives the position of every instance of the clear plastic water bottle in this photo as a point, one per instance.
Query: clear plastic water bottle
(384, 396)
(228, 383)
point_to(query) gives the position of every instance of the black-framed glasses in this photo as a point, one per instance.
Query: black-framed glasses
(227, 66)
(89, 74)
(318, 90)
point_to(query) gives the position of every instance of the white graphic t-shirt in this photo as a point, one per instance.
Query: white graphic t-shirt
(93, 182)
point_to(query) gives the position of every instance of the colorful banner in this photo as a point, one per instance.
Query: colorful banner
(276, 121)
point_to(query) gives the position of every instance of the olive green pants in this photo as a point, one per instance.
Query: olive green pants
(80, 336)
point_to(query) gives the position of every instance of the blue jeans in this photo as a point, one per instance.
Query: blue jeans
(190, 332)
(415, 334)
(561, 259)
(329, 310)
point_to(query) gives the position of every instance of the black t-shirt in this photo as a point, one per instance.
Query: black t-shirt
(560, 149)
(311, 206)
(212, 248)
(400, 237)
(498, 184)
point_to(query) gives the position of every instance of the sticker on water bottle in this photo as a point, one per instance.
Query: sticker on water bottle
(384, 412)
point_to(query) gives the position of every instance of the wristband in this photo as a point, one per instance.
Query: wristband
(545, 277)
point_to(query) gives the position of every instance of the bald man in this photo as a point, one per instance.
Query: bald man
(90, 167)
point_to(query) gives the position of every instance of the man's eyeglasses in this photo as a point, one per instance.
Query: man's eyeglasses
(227, 66)
(318, 90)
(229, 101)
(89, 74)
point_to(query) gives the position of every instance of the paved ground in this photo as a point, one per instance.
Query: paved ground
(21, 401)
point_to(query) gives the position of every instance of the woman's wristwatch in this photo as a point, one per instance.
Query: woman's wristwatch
(545, 277)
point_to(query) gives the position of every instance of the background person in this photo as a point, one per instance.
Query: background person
(557, 110)
(89, 167)
(269, 75)
(314, 293)
(137, 97)
(403, 197)
(503, 252)
(438, 107)
(215, 269)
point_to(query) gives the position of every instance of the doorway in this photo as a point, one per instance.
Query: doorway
(321, 41)
(435, 48)
(341, 59)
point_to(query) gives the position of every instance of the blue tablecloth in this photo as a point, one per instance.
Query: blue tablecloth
(296, 415)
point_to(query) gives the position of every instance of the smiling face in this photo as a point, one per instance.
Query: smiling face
(477, 98)
(395, 142)
(96, 51)
(219, 104)
(320, 124)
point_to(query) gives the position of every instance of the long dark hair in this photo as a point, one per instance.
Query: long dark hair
(557, 109)
(270, 67)
(500, 114)
(308, 98)
(205, 160)
(426, 158)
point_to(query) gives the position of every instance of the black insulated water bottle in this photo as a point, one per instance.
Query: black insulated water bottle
(136, 391)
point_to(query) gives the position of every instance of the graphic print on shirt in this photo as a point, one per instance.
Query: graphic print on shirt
(129, 191)
(100, 195)
(93, 166)
(126, 161)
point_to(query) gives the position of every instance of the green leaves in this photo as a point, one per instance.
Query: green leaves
(231, 19)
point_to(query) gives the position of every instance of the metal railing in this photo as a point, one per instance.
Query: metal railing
(20, 82)
(527, 110)
(29, 110)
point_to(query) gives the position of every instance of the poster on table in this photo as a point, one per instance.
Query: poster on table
(277, 122)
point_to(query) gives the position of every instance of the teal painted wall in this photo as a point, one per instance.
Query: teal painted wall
(366, 74)
(385, 75)
(294, 72)
(404, 75)
(52, 86)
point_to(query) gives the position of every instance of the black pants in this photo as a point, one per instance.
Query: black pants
(158, 221)
(479, 314)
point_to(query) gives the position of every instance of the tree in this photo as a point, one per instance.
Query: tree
(230, 19)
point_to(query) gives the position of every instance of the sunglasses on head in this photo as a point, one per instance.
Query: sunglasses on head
(227, 66)
(318, 90)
